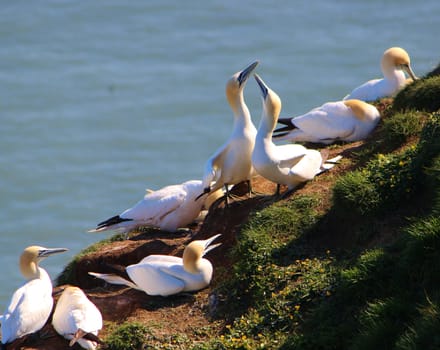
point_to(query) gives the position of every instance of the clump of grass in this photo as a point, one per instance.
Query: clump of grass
(423, 331)
(267, 231)
(422, 95)
(272, 286)
(355, 192)
(389, 178)
(68, 273)
(399, 128)
(386, 298)
(128, 336)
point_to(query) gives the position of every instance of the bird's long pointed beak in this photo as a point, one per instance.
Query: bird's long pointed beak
(245, 73)
(410, 72)
(263, 87)
(208, 244)
(45, 252)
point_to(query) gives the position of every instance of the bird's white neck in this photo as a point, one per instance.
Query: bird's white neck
(242, 116)
(29, 268)
(267, 125)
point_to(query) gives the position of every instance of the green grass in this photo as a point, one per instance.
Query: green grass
(67, 275)
(285, 294)
(422, 95)
(128, 336)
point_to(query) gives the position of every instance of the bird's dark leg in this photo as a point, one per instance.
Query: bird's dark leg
(249, 188)
(227, 196)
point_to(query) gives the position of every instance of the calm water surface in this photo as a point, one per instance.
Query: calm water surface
(100, 100)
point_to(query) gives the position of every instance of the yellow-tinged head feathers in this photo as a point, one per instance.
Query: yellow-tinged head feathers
(359, 108)
(235, 85)
(195, 250)
(271, 100)
(32, 255)
(192, 253)
(212, 197)
(396, 56)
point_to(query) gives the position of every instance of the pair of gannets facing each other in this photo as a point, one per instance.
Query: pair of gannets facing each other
(167, 275)
(231, 163)
(31, 304)
(348, 120)
(394, 61)
(290, 164)
(77, 319)
(169, 209)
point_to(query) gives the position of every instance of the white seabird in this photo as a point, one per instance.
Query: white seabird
(394, 61)
(290, 164)
(167, 275)
(31, 304)
(231, 163)
(77, 319)
(348, 120)
(169, 209)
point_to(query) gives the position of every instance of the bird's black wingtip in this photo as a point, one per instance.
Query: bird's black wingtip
(114, 220)
(206, 190)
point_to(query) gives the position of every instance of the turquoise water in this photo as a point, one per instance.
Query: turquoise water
(100, 100)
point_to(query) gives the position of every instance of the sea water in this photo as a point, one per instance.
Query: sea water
(100, 100)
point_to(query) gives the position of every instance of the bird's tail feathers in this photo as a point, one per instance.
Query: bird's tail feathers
(114, 279)
(329, 163)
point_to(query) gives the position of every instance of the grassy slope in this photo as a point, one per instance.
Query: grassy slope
(376, 286)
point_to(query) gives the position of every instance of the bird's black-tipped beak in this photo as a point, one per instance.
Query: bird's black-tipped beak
(263, 87)
(407, 68)
(45, 252)
(245, 73)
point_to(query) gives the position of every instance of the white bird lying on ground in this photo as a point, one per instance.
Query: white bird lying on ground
(231, 163)
(290, 164)
(348, 120)
(77, 319)
(31, 304)
(167, 275)
(169, 209)
(394, 61)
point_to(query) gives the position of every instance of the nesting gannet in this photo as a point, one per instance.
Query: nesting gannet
(169, 209)
(31, 304)
(167, 275)
(394, 61)
(289, 164)
(231, 163)
(77, 319)
(348, 120)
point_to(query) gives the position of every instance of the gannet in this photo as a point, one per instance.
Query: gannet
(167, 275)
(394, 61)
(77, 319)
(169, 209)
(348, 120)
(290, 164)
(31, 304)
(231, 163)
